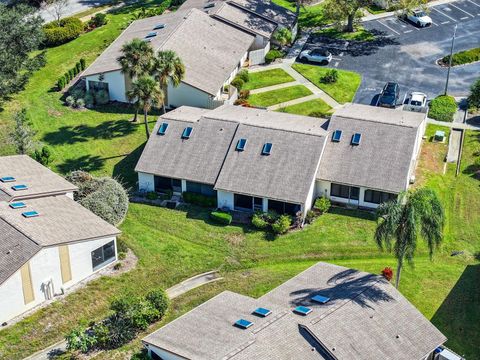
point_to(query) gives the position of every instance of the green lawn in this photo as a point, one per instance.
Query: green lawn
(260, 79)
(316, 107)
(375, 9)
(310, 16)
(343, 90)
(273, 97)
(360, 34)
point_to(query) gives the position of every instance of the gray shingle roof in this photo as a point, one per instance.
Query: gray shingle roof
(15, 250)
(210, 49)
(366, 318)
(40, 180)
(61, 220)
(382, 161)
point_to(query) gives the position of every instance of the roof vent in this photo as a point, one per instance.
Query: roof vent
(356, 138)
(209, 5)
(30, 214)
(19, 187)
(162, 129)
(7, 179)
(320, 299)
(159, 26)
(302, 310)
(241, 144)
(147, 40)
(187, 132)
(243, 324)
(267, 148)
(337, 135)
(17, 205)
(262, 312)
(151, 34)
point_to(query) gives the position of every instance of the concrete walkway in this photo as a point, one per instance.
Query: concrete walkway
(173, 292)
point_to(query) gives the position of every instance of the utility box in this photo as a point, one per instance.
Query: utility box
(439, 136)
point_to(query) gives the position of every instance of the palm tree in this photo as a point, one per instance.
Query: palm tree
(168, 67)
(136, 60)
(401, 221)
(147, 93)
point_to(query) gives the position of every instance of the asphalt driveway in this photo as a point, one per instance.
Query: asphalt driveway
(407, 54)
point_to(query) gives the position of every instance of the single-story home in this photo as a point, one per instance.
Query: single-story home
(326, 312)
(253, 159)
(48, 242)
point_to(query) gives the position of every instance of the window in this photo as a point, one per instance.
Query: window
(103, 255)
(187, 132)
(267, 148)
(337, 135)
(241, 144)
(162, 129)
(97, 85)
(378, 197)
(283, 207)
(345, 191)
(356, 139)
(200, 188)
(159, 26)
(154, 356)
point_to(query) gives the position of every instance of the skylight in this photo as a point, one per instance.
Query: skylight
(302, 310)
(17, 205)
(19, 187)
(30, 214)
(262, 312)
(151, 34)
(147, 40)
(356, 139)
(320, 299)
(267, 148)
(162, 129)
(337, 135)
(208, 6)
(159, 26)
(241, 144)
(244, 324)
(7, 179)
(187, 132)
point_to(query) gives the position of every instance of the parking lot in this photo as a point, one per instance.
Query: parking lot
(407, 54)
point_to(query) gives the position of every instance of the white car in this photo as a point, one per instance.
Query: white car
(321, 56)
(416, 101)
(419, 17)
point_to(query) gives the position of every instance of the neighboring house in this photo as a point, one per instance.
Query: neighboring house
(252, 159)
(347, 314)
(48, 242)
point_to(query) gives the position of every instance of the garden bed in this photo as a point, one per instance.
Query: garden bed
(461, 58)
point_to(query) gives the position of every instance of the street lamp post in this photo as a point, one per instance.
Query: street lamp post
(450, 58)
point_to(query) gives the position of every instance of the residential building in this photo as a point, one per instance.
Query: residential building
(253, 159)
(48, 242)
(326, 312)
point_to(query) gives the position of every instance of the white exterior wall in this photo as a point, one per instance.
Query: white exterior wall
(416, 151)
(146, 182)
(185, 94)
(45, 266)
(116, 84)
(225, 199)
(322, 188)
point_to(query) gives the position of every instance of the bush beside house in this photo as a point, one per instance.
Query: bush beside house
(199, 199)
(443, 108)
(272, 55)
(63, 31)
(221, 217)
(279, 224)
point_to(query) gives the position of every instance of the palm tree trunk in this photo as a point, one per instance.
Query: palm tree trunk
(399, 271)
(136, 114)
(146, 123)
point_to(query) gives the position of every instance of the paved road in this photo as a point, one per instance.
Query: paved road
(74, 7)
(407, 54)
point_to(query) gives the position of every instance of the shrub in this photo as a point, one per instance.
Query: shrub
(310, 216)
(82, 64)
(259, 221)
(117, 266)
(61, 83)
(79, 340)
(121, 255)
(387, 273)
(221, 217)
(199, 199)
(474, 97)
(70, 101)
(71, 74)
(463, 57)
(243, 74)
(89, 99)
(177, 2)
(98, 20)
(282, 36)
(43, 156)
(101, 97)
(159, 300)
(238, 83)
(244, 94)
(443, 108)
(121, 245)
(63, 31)
(78, 67)
(272, 55)
(330, 77)
(152, 195)
(322, 204)
(282, 224)
(80, 103)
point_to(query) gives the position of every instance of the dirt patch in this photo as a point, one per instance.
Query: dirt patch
(432, 160)
(235, 239)
(54, 113)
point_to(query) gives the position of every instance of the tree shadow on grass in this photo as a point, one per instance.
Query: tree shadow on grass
(359, 214)
(124, 170)
(458, 316)
(87, 163)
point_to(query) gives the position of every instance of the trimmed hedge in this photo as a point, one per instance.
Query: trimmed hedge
(63, 31)
(221, 217)
(443, 108)
(463, 57)
(70, 74)
(273, 55)
(199, 199)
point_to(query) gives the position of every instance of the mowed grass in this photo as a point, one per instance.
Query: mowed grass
(278, 96)
(360, 34)
(261, 79)
(310, 16)
(343, 90)
(316, 108)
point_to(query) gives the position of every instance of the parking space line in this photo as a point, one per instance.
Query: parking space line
(407, 31)
(441, 12)
(388, 27)
(456, 7)
(463, 18)
(473, 3)
(445, 22)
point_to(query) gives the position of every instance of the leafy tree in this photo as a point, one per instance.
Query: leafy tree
(147, 93)
(401, 221)
(56, 8)
(283, 36)
(474, 97)
(22, 134)
(43, 155)
(20, 35)
(405, 5)
(136, 60)
(168, 67)
(345, 10)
